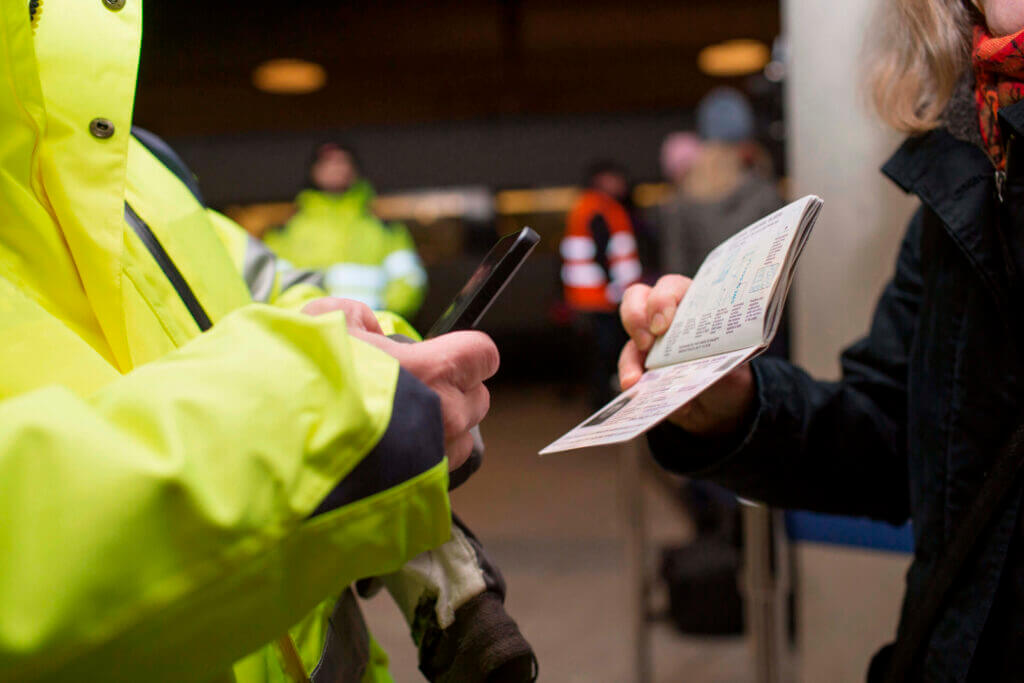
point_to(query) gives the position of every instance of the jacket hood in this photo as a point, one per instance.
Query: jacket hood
(65, 126)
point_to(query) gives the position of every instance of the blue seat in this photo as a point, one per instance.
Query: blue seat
(849, 531)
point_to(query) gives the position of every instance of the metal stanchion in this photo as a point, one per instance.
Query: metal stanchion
(630, 455)
(764, 577)
(765, 586)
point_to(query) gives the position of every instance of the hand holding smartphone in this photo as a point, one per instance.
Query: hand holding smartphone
(469, 305)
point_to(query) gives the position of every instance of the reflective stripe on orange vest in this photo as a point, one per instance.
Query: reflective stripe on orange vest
(592, 281)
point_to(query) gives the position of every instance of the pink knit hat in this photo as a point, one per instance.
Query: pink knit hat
(679, 152)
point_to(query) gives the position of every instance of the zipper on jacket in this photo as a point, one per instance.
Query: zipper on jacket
(170, 270)
(1001, 175)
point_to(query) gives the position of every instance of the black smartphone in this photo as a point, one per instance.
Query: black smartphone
(488, 280)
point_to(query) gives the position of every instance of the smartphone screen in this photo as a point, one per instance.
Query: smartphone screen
(488, 280)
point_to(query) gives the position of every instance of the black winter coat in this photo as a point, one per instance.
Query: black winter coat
(925, 400)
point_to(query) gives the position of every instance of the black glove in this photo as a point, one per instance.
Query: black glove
(483, 644)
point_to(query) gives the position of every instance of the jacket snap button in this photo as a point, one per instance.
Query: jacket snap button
(113, 5)
(101, 128)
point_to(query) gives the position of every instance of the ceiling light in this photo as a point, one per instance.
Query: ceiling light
(289, 76)
(734, 58)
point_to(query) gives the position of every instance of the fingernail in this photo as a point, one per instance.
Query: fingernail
(628, 380)
(643, 340)
(659, 323)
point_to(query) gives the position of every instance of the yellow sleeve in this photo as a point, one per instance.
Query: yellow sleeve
(161, 528)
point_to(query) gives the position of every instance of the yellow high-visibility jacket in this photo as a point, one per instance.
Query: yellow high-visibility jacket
(171, 500)
(360, 256)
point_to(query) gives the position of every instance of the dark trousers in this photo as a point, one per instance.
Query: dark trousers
(603, 338)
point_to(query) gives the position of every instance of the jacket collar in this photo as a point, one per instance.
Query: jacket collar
(356, 199)
(956, 181)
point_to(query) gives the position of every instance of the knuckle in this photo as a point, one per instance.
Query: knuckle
(478, 358)
(672, 287)
(440, 363)
(634, 315)
(635, 295)
(452, 415)
(452, 371)
(453, 423)
(660, 297)
(459, 450)
(484, 401)
(493, 357)
(633, 309)
(672, 280)
(664, 281)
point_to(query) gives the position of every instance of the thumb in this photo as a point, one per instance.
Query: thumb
(472, 357)
(631, 365)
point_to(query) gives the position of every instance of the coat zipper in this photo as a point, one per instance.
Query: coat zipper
(1001, 175)
(170, 270)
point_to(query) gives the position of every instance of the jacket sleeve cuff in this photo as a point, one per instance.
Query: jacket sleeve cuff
(412, 444)
(681, 452)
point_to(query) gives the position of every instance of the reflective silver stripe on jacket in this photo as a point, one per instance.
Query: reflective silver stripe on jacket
(261, 266)
(357, 281)
(298, 276)
(405, 264)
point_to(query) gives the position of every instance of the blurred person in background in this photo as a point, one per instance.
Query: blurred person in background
(926, 421)
(679, 152)
(720, 188)
(198, 456)
(335, 231)
(599, 260)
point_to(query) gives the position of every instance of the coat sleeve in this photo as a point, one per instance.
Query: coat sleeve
(190, 511)
(837, 447)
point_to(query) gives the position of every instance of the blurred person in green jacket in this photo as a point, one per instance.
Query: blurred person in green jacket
(336, 232)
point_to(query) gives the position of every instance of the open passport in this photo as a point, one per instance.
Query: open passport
(729, 315)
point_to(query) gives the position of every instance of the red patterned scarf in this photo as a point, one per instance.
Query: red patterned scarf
(998, 82)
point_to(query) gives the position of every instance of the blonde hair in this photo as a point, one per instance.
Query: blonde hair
(916, 55)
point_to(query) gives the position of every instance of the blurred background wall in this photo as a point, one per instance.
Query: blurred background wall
(504, 153)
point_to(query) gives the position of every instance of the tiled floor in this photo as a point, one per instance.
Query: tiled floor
(556, 527)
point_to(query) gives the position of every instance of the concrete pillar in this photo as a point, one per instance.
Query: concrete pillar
(849, 598)
(836, 147)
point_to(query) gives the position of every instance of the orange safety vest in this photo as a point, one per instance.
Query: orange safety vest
(597, 268)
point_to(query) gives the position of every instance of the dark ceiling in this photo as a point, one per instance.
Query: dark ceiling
(406, 62)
